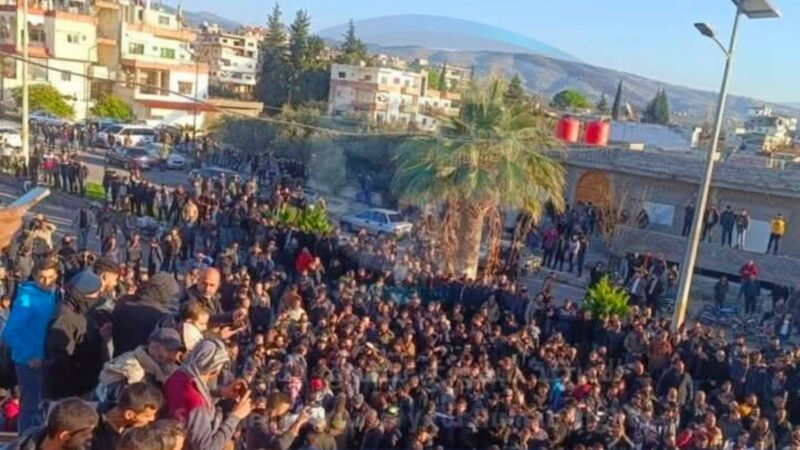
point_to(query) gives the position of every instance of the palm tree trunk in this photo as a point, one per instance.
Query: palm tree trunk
(470, 233)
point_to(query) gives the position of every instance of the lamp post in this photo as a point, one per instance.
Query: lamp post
(26, 130)
(196, 94)
(753, 9)
(88, 90)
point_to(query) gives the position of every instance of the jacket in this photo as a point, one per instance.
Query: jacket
(26, 328)
(128, 368)
(135, 317)
(29, 440)
(73, 346)
(778, 226)
(205, 427)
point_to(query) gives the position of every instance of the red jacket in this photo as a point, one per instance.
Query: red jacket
(182, 396)
(303, 262)
(748, 270)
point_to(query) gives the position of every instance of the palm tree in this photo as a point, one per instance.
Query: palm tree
(487, 159)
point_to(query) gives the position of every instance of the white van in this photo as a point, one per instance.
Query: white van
(139, 135)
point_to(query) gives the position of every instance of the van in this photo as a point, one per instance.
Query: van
(139, 136)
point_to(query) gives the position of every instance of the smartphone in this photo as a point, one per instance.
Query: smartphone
(31, 198)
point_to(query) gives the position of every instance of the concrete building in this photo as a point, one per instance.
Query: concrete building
(385, 95)
(232, 59)
(144, 53)
(766, 132)
(663, 183)
(62, 48)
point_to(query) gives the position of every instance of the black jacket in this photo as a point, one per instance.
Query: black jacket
(135, 317)
(29, 440)
(74, 352)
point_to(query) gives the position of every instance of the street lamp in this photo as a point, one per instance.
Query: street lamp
(196, 94)
(88, 90)
(753, 9)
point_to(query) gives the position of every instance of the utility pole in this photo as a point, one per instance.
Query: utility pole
(26, 132)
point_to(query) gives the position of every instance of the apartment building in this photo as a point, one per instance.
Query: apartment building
(385, 95)
(232, 59)
(62, 36)
(144, 54)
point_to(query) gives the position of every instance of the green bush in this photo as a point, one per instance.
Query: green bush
(45, 98)
(308, 220)
(95, 191)
(113, 107)
(605, 299)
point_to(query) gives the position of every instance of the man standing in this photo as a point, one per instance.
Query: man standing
(688, 217)
(742, 225)
(83, 222)
(727, 221)
(751, 290)
(777, 230)
(25, 335)
(76, 344)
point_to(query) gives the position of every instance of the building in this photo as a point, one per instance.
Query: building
(391, 96)
(662, 183)
(766, 132)
(62, 48)
(144, 56)
(652, 135)
(232, 59)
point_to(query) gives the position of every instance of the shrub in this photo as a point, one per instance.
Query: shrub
(312, 219)
(605, 299)
(95, 191)
(45, 98)
(113, 107)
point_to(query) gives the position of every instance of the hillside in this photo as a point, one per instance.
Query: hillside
(547, 76)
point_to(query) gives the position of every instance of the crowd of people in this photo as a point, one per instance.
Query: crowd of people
(228, 330)
(729, 221)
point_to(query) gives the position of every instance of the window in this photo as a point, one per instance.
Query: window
(397, 81)
(168, 53)
(136, 49)
(163, 20)
(185, 87)
(342, 75)
(5, 28)
(73, 38)
(367, 77)
(660, 213)
(36, 34)
(66, 76)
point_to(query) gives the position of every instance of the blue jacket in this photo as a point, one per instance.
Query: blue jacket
(27, 325)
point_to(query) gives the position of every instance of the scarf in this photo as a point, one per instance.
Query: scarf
(207, 356)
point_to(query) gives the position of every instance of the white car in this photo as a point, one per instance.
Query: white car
(176, 161)
(11, 137)
(139, 135)
(377, 221)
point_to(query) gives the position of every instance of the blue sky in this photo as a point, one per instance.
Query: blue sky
(654, 38)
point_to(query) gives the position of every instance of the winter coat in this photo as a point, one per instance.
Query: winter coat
(27, 324)
(128, 368)
(135, 317)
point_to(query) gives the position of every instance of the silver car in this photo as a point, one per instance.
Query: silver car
(376, 221)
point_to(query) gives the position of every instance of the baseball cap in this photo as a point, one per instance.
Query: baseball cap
(168, 337)
(86, 283)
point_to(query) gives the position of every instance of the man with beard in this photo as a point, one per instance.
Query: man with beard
(69, 427)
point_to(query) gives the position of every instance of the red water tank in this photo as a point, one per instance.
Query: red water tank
(568, 129)
(597, 133)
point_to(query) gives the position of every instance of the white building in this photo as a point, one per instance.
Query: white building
(766, 132)
(233, 59)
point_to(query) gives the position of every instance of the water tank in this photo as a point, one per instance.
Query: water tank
(568, 129)
(597, 133)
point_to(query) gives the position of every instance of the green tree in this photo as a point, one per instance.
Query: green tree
(443, 78)
(616, 109)
(602, 104)
(657, 110)
(489, 157)
(353, 49)
(515, 93)
(45, 98)
(569, 98)
(114, 107)
(606, 300)
(434, 80)
(273, 87)
(298, 58)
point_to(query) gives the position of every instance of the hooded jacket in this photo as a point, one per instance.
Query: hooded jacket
(135, 317)
(74, 350)
(26, 328)
(128, 368)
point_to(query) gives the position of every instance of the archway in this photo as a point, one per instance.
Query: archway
(594, 187)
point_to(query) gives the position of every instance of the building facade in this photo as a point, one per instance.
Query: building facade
(232, 58)
(61, 48)
(390, 96)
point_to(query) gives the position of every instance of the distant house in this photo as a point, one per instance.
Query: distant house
(649, 135)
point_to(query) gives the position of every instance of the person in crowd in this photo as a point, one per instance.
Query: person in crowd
(188, 394)
(742, 227)
(83, 222)
(136, 316)
(25, 334)
(152, 363)
(70, 426)
(721, 289)
(751, 290)
(76, 344)
(777, 229)
(137, 407)
(727, 220)
(275, 428)
(162, 434)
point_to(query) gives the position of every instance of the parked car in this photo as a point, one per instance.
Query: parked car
(129, 157)
(139, 135)
(176, 161)
(11, 137)
(46, 118)
(377, 221)
(212, 172)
